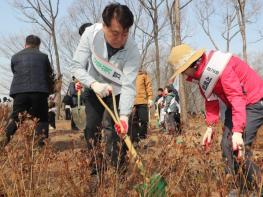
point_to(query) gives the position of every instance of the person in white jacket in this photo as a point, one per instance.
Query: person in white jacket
(113, 61)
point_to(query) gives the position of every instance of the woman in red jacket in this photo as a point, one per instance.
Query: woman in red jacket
(226, 77)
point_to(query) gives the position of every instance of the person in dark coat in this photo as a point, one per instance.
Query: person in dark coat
(83, 27)
(30, 88)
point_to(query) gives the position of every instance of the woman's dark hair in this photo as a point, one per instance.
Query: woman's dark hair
(120, 12)
(33, 41)
(170, 88)
(160, 89)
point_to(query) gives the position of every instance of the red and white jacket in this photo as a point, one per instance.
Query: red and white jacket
(238, 86)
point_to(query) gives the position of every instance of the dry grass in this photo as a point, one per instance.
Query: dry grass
(64, 169)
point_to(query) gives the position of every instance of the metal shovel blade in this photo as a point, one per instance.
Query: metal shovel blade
(79, 116)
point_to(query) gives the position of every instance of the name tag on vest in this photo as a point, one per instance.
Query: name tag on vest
(106, 69)
(212, 72)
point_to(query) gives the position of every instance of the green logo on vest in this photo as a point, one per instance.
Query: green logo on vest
(102, 67)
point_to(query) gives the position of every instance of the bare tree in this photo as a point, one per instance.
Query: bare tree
(260, 37)
(6, 77)
(83, 11)
(141, 32)
(230, 24)
(246, 12)
(11, 45)
(176, 19)
(241, 18)
(43, 13)
(205, 12)
(152, 8)
(256, 60)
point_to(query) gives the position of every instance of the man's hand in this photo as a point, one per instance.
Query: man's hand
(207, 138)
(102, 89)
(238, 143)
(124, 122)
(150, 103)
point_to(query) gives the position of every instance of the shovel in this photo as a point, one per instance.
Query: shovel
(153, 186)
(78, 114)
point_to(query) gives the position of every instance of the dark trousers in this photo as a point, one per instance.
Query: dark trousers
(134, 127)
(36, 104)
(141, 114)
(172, 122)
(254, 121)
(52, 119)
(67, 114)
(95, 114)
(69, 117)
(116, 153)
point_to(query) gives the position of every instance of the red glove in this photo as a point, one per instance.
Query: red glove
(124, 122)
(78, 86)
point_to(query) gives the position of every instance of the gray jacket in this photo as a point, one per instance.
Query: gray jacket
(31, 69)
(170, 103)
(126, 60)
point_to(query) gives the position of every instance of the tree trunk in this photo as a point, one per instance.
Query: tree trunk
(182, 95)
(157, 56)
(157, 52)
(59, 76)
(244, 41)
(240, 10)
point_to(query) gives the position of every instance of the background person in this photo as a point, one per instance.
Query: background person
(30, 88)
(143, 100)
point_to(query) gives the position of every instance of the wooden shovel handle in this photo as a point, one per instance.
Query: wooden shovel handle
(126, 138)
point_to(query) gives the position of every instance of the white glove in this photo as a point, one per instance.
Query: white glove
(150, 103)
(238, 143)
(207, 138)
(102, 89)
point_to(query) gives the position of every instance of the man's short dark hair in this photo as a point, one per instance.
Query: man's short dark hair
(120, 12)
(160, 89)
(33, 41)
(83, 27)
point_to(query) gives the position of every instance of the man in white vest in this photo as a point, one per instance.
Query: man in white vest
(113, 60)
(226, 77)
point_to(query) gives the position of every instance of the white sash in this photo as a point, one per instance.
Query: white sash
(212, 72)
(104, 67)
(173, 101)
